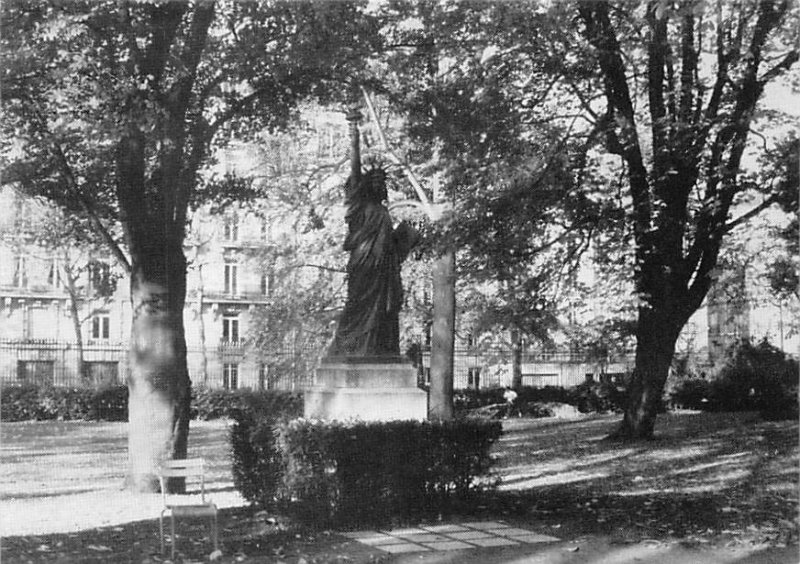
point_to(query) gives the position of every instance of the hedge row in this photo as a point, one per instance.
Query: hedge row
(30, 402)
(756, 377)
(361, 472)
(588, 397)
(215, 403)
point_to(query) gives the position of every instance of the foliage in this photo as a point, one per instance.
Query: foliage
(30, 402)
(469, 113)
(691, 393)
(115, 111)
(256, 465)
(756, 377)
(471, 398)
(213, 403)
(682, 131)
(301, 175)
(19, 403)
(360, 472)
(783, 272)
(589, 397)
(600, 397)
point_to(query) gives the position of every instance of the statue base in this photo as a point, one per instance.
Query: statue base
(365, 389)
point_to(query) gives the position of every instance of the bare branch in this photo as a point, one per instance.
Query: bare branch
(788, 60)
(750, 214)
(412, 178)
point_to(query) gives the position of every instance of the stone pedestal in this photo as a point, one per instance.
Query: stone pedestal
(366, 390)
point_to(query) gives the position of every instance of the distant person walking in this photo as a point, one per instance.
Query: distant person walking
(511, 402)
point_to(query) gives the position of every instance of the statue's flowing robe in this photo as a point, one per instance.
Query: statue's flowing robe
(369, 324)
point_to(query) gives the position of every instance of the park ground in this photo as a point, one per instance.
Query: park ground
(710, 488)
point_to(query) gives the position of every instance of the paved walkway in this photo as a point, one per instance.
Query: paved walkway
(498, 542)
(448, 537)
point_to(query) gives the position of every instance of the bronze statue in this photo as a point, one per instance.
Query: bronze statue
(369, 326)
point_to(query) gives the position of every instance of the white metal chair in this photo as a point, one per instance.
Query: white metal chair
(185, 505)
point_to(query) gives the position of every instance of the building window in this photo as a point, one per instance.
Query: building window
(101, 324)
(231, 278)
(54, 275)
(264, 381)
(267, 283)
(41, 372)
(230, 228)
(428, 334)
(100, 280)
(20, 271)
(230, 329)
(230, 376)
(474, 378)
(101, 373)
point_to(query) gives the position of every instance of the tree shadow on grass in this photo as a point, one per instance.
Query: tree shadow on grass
(704, 474)
(245, 536)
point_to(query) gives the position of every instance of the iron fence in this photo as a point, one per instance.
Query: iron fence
(97, 364)
(235, 365)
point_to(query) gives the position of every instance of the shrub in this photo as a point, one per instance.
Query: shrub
(210, 403)
(19, 403)
(31, 402)
(756, 377)
(599, 397)
(361, 472)
(66, 404)
(690, 393)
(256, 464)
(587, 397)
(472, 399)
(110, 404)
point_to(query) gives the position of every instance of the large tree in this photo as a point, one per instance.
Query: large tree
(681, 84)
(114, 108)
(470, 83)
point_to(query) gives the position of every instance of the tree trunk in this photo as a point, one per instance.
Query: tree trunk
(202, 325)
(440, 401)
(656, 335)
(75, 315)
(159, 386)
(516, 364)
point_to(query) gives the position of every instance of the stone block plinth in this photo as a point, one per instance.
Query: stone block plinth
(369, 391)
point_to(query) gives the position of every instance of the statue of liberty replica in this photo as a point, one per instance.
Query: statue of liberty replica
(364, 375)
(368, 327)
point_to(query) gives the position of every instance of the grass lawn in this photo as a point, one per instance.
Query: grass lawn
(708, 479)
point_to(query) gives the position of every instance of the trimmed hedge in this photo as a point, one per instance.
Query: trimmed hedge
(208, 403)
(587, 397)
(755, 378)
(30, 402)
(361, 472)
(42, 403)
(691, 393)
